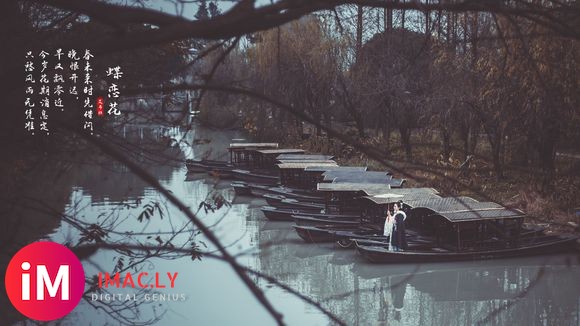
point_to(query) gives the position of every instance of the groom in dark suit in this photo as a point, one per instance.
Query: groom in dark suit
(399, 240)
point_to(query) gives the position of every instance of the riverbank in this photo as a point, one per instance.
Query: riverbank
(546, 199)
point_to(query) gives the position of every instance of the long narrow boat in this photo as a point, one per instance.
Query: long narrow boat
(285, 214)
(346, 239)
(222, 172)
(203, 165)
(526, 247)
(312, 221)
(327, 233)
(241, 189)
(261, 190)
(255, 177)
(283, 202)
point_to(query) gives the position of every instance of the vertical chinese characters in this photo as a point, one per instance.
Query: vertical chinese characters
(114, 93)
(44, 91)
(60, 78)
(88, 93)
(29, 83)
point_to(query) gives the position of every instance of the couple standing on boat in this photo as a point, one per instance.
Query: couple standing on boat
(395, 228)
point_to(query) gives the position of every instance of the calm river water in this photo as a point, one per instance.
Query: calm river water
(529, 291)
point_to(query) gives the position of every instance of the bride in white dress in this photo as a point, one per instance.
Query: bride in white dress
(388, 230)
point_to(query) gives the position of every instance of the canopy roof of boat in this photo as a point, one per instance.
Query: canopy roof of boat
(449, 204)
(253, 145)
(302, 157)
(371, 189)
(394, 195)
(303, 165)
(309, 161)
(461, 209)
(385, 180)
(482, 214)
(338, 169)
(280, 151)
(356, 176)
(341, 172)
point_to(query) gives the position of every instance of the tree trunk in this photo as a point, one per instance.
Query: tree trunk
(388, 20)
(359, 29)
(403, 19)
(446, 142)
(427, 21)
(386, 127)
(496, 146)
(406, 141)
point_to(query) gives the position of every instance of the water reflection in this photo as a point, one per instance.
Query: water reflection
(537, 290)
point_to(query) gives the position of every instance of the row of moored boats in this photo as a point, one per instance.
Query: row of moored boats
(348, 205)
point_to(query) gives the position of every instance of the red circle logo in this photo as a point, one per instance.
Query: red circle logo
(45, 281)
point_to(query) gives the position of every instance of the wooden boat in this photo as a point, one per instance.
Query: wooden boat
(293, 173)
(283, 202)
(304, 157)
(258, 190)
(268, 158)
(462, 228)
(198, 166)
(285, 214)
(280, 194)
(255, 177)
(366, 271)
(351, 197)
(312, 175)
(312, 221)
(328, 233)
(222, 172)
(241, 189)
(245, 154)
(347, 239)
(526, 247)
(368, 177)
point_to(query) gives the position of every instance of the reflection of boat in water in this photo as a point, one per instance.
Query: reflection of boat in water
(308, 251)
(478, 292)
(274, 226)
(371, 271)
(476, 282)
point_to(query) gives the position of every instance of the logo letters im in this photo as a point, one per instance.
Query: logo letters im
(45, 287)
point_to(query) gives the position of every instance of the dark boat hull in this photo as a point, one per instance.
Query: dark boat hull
(205, 165)
(222, 173)
(253, 177)
(311, 221)
(259, 190)
(283, 202)
(285, 214)
(241, 189)
(378, 254)
(327, 233)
